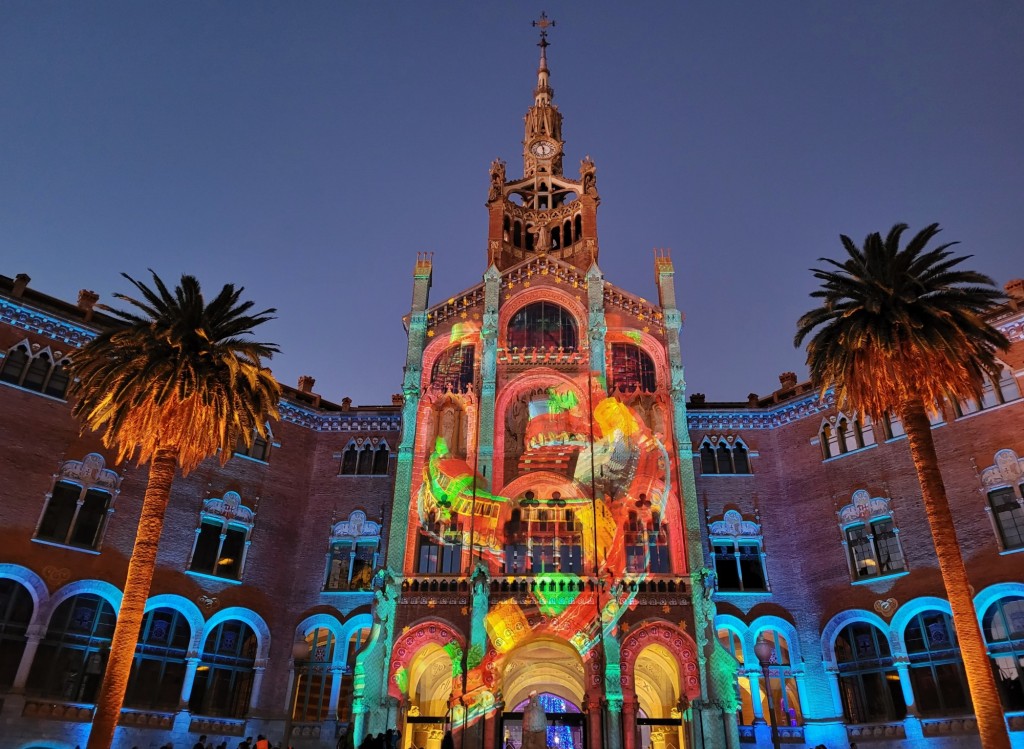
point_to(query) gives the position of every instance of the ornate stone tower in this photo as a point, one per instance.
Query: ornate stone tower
(544, 212)
(545, 535)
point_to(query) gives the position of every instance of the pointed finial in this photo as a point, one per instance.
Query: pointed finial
(543, 92)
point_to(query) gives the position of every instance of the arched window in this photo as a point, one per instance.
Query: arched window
(38, 373)
(724, 455)
(733, 644)
(632, 369)
(995, 392)
(556, 238)
(1003, 627)
(349, 459)
(453, 370)
(222, 538)
(517, 234)
(224, 675)
(542, 325)
(78, 505)
(868, 682)
(314, 678)
(15, 613)
(380, 460)
(364, 466)
(578, 226)
(158, 670)
(782, 688)
(15, 364)
(847, 434)
(567, 232)
(72, 657)
(708, 464)
(936, 670)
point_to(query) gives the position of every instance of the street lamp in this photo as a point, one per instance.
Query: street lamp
(300, 652)
(764, 649)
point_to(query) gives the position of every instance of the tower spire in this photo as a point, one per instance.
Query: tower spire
(542, 96)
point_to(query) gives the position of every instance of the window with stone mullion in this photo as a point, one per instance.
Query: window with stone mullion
(1009, 516)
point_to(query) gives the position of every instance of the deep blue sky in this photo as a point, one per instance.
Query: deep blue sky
(308, 150)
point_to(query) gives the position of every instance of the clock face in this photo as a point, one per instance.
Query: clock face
(543, 148)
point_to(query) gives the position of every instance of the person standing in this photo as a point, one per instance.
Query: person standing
(201, 744)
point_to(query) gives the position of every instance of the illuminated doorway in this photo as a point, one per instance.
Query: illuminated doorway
(554, 670)
(659, 723)
(565, 723)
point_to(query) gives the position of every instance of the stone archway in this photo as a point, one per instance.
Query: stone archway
(441, 634)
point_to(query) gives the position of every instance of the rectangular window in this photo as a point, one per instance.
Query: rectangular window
(890, 555)
(429, 554)
(337, 570)
(862, 554)
(726, 568)
(751, 569)
(219, 551)
(1009, 517)
(516, 559)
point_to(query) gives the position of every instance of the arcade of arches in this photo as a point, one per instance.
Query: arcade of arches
(569, 685)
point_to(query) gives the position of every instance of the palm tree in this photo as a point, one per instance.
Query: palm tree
(177, 382)
(898, 331)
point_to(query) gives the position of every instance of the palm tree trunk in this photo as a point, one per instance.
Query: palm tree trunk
(133, 603)
(987, 707)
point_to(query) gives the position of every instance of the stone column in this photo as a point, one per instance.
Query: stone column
(755, 696)
(903, 669)
(191, 664)
(593, 708)
(337, 674)
(34, 635)
(833, 682)
(629, 723)
(613, 713)
(257, 682)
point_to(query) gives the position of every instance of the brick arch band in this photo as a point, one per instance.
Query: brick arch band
(411, 642)
(675, 641)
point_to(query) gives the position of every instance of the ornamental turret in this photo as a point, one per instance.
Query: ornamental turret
(544, 212)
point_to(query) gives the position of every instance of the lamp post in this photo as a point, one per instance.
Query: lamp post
(300, 651)
(764, 649)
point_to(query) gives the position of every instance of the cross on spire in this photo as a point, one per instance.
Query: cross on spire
(543, 23)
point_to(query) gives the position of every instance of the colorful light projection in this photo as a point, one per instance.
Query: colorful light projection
(558, 737)
(620, 474)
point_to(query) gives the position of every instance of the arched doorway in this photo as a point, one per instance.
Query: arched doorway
(431, 673)
(656, 681)
(554, 670)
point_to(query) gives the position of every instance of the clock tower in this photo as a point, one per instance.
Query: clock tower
(544, 212)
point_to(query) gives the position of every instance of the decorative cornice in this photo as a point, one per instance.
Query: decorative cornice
(768, 418)
(340, 422)
(36, 321)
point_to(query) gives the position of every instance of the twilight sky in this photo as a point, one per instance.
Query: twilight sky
(308, 150)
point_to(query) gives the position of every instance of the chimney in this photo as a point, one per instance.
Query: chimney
(397, 399)
(346, 404)
(752, 400)
(697, 399)
(20, 282)
(306, 384)
(1015, 290)
(787, 380)
(86, 301)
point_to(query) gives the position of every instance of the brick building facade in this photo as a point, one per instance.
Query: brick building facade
(560, 519)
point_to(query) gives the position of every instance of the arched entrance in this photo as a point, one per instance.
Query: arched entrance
(656, 681)
(554, 670)
(659, 680)
(430, 690)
